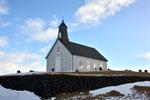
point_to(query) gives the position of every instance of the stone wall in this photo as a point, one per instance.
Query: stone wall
(47, 85)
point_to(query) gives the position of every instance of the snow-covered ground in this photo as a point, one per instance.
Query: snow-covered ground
(31, 73)
(123, 89)
(8, 94)
(25, 73)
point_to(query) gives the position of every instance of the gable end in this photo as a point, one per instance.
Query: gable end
(51, 49)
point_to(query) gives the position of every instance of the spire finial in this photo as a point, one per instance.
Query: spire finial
(62, 25)
(62, 19)
(63, 35)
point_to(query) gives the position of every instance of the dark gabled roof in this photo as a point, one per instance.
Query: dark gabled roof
(80, 50)
(62, 25)
(85, 51)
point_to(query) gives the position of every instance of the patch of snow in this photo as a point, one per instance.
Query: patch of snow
(32, 73)
(8, 94)
(123, 89)
(25, 73)
(53, 98)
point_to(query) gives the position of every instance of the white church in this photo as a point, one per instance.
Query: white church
(67, 56)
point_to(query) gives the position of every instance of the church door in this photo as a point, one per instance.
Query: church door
(57, 64)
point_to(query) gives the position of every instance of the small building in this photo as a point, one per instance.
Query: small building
(67, 56)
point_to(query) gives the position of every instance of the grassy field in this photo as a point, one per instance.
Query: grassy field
(106, 73)
(90, 73)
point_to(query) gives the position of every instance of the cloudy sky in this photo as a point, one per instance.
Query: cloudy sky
(118, 29)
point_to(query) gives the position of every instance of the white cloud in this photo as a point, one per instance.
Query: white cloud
(146, 55)
(45, 50)
(54, 22)
(4, 24)
(94, 11)
(3, 41)
(39, 30)
(3, 7)
(10, 62)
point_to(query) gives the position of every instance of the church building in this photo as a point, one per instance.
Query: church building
(67, 56)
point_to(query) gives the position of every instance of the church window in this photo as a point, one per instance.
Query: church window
(58, 49)
(94, 65)
(88, 65)
(81, 64)
(59, 35)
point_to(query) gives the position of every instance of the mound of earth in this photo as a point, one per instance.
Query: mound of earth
(113, 93)
(142, 90)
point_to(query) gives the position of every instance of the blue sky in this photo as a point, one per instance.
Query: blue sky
(118, 29)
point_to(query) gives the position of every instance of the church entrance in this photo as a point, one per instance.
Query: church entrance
(57, 64)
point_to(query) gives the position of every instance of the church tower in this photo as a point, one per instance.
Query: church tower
(62, 33)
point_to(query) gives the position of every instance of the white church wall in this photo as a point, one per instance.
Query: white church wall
(65, 58)
(87, 64)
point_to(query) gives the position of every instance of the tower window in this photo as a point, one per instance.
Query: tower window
(59, 35)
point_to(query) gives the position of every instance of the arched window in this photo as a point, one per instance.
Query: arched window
(59, 35)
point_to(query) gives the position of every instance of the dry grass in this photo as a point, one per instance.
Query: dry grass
(91, 98)
(109, 73)
(68, 95)
(142, 90)
(113, 93)
(94, 73)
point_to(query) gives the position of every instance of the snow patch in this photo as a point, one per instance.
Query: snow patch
(123, 89)
(25, 73)
(8, 94)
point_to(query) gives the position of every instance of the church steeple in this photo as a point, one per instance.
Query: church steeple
(62, 33)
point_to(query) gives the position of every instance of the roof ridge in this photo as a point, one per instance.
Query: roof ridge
(82, 45)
